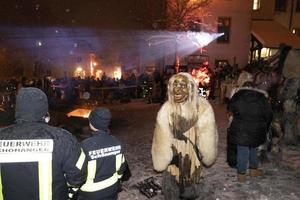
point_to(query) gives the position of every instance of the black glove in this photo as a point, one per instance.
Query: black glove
(73, 193)
(175, 160)
(127, 173)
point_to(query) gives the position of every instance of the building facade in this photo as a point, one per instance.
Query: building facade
(286, 12)
(274, 22)
(234, 18)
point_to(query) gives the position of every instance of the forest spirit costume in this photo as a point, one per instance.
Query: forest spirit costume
(185, 138)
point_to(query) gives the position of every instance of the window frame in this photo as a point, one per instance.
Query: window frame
(296, 31)
(223, 61)
(221, 40)
(297, 9)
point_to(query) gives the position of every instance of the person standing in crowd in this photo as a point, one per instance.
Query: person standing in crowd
(107, 166)
(185, 140)
(38, 161)
(291, 98)
(252, 116)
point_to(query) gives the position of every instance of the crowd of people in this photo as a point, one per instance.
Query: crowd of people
(40, 161)
(151, 86)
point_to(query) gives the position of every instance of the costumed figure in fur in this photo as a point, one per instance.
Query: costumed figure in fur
(185, 139)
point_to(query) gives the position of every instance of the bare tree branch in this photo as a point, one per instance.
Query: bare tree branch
(181, 12)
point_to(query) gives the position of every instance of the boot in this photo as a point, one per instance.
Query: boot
(255, 172)
(241, 178)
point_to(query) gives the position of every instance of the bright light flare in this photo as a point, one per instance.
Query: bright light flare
(79, 72)
(185, 43)
(39, 43)
(79, 69)
(99, 73)
(202, 39)
(117, 73)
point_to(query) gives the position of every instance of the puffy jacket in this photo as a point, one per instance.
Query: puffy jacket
(38, 161)
(252, 115)
(106, 165)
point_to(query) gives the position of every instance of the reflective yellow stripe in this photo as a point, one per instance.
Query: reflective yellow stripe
(45, 179)
(92, 167)
(1, 195)
(119, 160)
(81, 159)
(91, 170)
(92, 187)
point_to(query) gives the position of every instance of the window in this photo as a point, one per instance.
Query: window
(256, 5)
(195, 25)
(224, 24)
(221, 63)
(298, 6)
(296, 31)
(280, 5)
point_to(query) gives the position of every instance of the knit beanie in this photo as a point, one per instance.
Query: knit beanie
(100, 118)
(31, 104)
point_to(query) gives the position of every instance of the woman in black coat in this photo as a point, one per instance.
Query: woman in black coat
(252, 115)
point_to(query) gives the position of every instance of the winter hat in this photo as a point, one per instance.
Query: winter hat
(31, 104)
(100, 118)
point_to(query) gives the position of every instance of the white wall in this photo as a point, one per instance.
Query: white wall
(240, 14)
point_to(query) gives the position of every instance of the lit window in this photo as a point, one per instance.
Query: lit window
(296, 31)
(265, 52)
(224, 24)
(256, 5)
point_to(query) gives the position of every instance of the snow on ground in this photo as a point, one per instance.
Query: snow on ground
(133, 124)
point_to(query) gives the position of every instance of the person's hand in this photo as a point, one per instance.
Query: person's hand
(73, 193)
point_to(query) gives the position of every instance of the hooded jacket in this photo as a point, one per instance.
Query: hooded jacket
(252, 115)
(38, 161)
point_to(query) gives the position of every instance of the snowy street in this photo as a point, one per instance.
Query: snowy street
(133, 124)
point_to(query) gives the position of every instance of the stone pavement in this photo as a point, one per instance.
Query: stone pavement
(291, 158)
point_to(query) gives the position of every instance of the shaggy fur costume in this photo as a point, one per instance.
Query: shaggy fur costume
(194, 119)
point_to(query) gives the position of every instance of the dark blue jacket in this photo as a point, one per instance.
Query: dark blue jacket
(106, 165)
(39, 160)
(252, 115)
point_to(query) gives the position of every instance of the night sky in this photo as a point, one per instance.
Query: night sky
(64, 32)
(79, 13)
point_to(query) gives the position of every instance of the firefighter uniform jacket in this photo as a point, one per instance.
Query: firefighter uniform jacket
(39, 161)
(106, 165)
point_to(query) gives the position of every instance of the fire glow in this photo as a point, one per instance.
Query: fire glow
(201, 75)
(66, 47)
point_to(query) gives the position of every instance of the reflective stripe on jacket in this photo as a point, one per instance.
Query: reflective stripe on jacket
(38, 161)
(105, 166)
